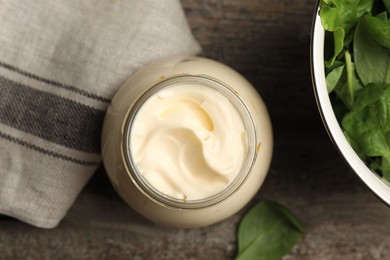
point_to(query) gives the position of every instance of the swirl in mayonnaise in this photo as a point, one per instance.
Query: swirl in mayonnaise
(188, 141)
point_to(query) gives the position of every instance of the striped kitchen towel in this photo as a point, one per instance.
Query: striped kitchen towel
(60, 64)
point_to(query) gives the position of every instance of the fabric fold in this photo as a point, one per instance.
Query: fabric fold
(60, 64)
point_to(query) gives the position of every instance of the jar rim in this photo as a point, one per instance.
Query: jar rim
(163, 199)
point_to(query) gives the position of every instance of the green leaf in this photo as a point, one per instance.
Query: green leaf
(349, 85)
(335, 65)
(355, 146)
(268, 231)
(344, 14)
(378, 28)
(382, 16)
(333, 78)
(372, 60)
(368, 124)
(338, 38)
(387, 5)
(359, 90)
(339, 17)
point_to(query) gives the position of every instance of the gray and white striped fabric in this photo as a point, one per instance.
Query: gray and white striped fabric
(60, 64)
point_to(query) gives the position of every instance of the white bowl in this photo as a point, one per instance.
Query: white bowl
(379, 186)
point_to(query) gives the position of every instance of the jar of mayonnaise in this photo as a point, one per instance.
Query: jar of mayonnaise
(187, 142)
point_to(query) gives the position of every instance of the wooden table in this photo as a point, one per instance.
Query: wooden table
(268, 42)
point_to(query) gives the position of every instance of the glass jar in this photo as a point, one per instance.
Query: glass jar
(145, 196)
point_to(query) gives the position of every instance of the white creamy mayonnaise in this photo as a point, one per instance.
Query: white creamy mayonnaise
(188, 141)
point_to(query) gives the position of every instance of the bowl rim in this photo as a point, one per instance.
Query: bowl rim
(376, 184)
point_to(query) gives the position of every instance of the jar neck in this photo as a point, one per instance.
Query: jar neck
(153, 193)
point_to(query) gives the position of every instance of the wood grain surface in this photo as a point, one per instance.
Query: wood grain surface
(269, 43)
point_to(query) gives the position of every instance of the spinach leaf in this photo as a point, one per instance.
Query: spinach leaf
(382, 16)
(268, 231)
(378, 27)
(356, 147)
(338, 38)
(339, 17)
(387, 5)
(349, 85)
(368, 124)
(344, 14)
(372, 60)
(335, 65)
(357, 67)
(334, 77)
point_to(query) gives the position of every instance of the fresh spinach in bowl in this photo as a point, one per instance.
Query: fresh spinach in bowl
(357, 67)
